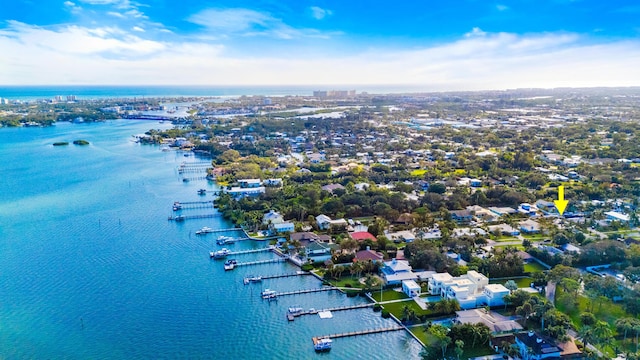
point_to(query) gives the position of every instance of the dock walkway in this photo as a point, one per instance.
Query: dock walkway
(339, 308)
(299, 273)
(190, 217)
(356, 333)
(261, 262)
(250, 251)
(307, 291)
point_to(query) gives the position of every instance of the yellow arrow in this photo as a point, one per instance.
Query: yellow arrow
(561, 203)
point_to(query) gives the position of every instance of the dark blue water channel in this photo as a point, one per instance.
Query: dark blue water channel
(90, 267)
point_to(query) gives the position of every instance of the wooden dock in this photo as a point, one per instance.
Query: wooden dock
(339, 308)
(306, 291)
(300, 273)
(261, 262)
(357, 333)
(250, 251)
(192, 205)
(190, 217)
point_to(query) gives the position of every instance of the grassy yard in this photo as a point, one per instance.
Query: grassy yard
(506, 239)
(469, 352)
(519, 247)
(388, 295)
(396, 308)
(347, 281)
(532, 267)
(535, 237)
(606, 310)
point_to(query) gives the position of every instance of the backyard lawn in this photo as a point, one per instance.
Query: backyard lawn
(533, 266)
(396, 308)
(388, 295)
(522, 282)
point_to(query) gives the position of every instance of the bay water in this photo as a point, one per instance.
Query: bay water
(90, 267)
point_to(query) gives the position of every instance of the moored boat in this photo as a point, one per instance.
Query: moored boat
(225, 240)
(295, 310)
(220, 253)
(322, 344)
(204, 230)
(268, 294)
(202, 192)
(252, 278)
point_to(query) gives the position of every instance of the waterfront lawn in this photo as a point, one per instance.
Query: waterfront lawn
(396, 308)
(388, 295)
(347, 281)
(533, 266)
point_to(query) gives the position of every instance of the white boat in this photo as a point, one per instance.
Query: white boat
(225, 240)
(250, 279)
(220, 253)
(268, 294)
(323, 344)
(228, 265)
(204, 230)
(295, 310)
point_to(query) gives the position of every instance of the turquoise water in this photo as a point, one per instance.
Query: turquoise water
(90, 268)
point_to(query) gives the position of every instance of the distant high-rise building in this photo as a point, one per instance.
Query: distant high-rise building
(267, 101)
(71, 98)
(4, 101)
(334, 93)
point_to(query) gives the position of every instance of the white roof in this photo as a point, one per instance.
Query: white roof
(410, 284)
(496, 288)
(618, 216)
(442, 276)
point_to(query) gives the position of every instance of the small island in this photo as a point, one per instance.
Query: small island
(61, 143)
(80, 142)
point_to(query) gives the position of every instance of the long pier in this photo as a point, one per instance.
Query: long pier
(190, 217)
(339, 308)
(300, 273)
(356, 333)
(250, 251)
(306, 291)
(261, 262)
(195, 164)
(225, 230)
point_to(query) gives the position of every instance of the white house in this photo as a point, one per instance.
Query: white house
(248, 191)
(411, 288)
(616, 216)
(249, 183)
(283, 227)
(272, 217)
(470, 290)
(395, 271)
(323, 221)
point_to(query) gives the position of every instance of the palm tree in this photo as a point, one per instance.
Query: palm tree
(602, 332)
(624, 325)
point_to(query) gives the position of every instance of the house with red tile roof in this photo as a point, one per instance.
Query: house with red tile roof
(362, 235)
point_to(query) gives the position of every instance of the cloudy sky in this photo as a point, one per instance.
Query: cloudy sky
(436, 45)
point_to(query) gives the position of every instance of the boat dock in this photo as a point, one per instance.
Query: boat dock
(190, 217)
(357, 333)
(300, 273)
(306, 291)
(261, 262)
(192, 205)
(340, 308)
(250, 252)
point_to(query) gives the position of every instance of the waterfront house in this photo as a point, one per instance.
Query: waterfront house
(308, 237)
(249, 183)
(535, 347)
(273, 182)
(282, 227)
(498, 324)
(411, 288)
(395, 271)
(318, 251)
(272, 217)
(240, 192)
(502, 211)
(470, 290)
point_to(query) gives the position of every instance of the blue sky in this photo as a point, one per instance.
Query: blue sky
(439, 45)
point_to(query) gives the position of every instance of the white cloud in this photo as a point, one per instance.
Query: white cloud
(72, 7)
(501, 7)
(137, 28)
(111, 55)
(319, 13)
(247, 22)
